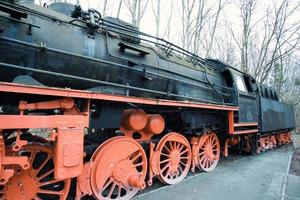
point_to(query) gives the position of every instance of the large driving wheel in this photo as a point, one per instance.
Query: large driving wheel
(174, 154)
(119, 169)
(38, 181)
(208, 149)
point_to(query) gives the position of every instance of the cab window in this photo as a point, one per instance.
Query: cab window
(240, 83)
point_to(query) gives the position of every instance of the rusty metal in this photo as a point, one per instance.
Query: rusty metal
(119, 168)
(172, 159)
(206, 152)
(36, 182)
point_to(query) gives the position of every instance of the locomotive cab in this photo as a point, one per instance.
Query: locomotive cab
(246, 89)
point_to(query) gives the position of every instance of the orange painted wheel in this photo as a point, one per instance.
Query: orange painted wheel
(38, 181)
(175, 157)
(208, 152)
(119, 169)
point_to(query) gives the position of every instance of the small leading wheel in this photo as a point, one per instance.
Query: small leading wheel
(38, 181)
(119, 169)
(208, 152)
(174, 157)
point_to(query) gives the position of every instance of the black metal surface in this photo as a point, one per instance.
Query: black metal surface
(276, 116)
(98, 57)
(14, 13)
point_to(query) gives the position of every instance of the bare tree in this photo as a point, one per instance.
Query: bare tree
(221, 5)
(169, 24)
(199, 25)
(119, 8)
(137, 10)
(279, 40)
(187, 22)
(104, 10)
(156, 13)
(247, 8)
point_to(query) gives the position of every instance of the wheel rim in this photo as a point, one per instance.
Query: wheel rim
(208, 152)
(38, 181)
(174, 158)
(119, 169)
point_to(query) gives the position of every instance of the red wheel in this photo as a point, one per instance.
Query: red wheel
(174, 154)
(208, 150)
(119, 169)
(38, 181)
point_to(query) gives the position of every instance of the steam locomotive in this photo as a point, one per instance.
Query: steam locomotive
(141, 103)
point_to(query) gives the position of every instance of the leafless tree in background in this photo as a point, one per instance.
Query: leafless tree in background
(187, 22)
(247, 8)
(104, 10)
(167, 33)
(279, 40)
(137, 10)
(119, 8)
(156, 13)
(221, 4)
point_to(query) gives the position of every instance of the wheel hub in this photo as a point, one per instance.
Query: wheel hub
(122, 170)
(21, 186)
(209, 152)
(175, 160)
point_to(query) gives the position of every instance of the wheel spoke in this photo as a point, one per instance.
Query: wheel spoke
(119, 190)
(167, 155)
(181, 148)
(184, 164)
(51, 192)
(107, 184)
(165, 167)
(183, 152)
(41, 166)
(138, 164)
(136, 156)
(171, 145)
(167, 148)
(112, 189)
(164, 161)
(45, 174)
(49, 182)
(31, 158)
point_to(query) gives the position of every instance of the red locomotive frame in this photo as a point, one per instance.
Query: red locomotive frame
(107, 169)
